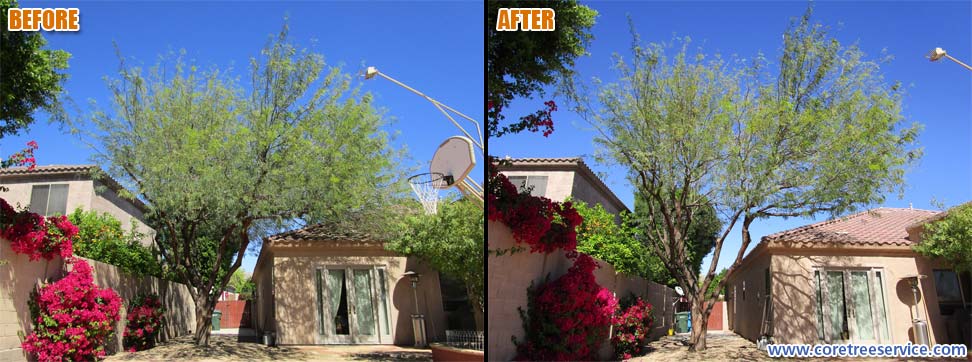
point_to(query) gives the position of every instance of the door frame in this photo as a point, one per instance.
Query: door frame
(326, 325)
(875, 298)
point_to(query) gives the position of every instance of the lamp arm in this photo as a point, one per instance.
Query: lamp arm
(959, 62)
(478, 141)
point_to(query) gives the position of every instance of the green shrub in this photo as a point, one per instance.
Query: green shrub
(102, 238)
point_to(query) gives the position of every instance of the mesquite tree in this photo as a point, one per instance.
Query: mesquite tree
(824, 135)
(216, 161)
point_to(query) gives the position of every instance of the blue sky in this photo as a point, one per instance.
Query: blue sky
(435, 47)
(939, 95)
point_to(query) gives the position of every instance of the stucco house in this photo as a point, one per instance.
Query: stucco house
(328, 284)
(848, 280)
(60, 189)
(558, 178)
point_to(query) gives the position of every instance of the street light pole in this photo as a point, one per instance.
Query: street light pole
(940, 53)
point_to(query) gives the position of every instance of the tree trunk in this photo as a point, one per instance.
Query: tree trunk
(700, 319)
(204, 319)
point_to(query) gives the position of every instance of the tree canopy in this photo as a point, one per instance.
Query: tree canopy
(825, 134)
(522, 63)
(950, 238)
(31, 77)
(452, 241)
(214, 158)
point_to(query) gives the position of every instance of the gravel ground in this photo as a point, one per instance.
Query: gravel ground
(230, 348)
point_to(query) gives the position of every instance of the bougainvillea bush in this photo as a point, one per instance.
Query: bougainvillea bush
(632, 327)
(567, 319)
(73, 318)
(34, 235)
(144, 322)
(542, 224)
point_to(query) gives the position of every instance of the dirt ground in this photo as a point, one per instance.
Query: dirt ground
(727, 346)
(231, 348)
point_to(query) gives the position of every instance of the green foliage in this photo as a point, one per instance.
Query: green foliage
(716, 281)
(451, 241)
(824, 135)
(700, 238)
(101, 237)
(602, 236)
(31, 78)
(214, 158)
(950, 238)
(521, 63)
(242, 284)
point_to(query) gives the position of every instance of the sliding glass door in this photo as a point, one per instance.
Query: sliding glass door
(353, 305)
(851, 306)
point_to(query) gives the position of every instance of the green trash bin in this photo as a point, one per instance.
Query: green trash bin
(216, 316)
(682, 322)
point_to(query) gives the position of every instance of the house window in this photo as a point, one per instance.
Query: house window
(49, 200)
(537, 185)
(947, 286)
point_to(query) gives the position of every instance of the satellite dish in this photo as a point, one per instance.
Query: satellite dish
(679, 291)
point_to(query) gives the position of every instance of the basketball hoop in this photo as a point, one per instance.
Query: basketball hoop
(427, 186)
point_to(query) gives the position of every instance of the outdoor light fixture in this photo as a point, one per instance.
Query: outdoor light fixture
(418, 320)
(940, 53)
(920, 326)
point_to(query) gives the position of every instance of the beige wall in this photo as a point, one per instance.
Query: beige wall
(559, 183)
(509, 276)
(292, 312)
(82, 193)
(794, 298)
(563, 184)
(585, 190)
(797, 270)
(262, 312)
(745, 314)
(180, 310)
(19, 277)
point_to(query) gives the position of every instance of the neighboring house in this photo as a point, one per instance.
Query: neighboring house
(327, 284)
(847, 281)
(558, 178)
(60, 189)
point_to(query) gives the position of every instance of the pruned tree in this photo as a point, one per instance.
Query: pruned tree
(214, 159)
(824, 135)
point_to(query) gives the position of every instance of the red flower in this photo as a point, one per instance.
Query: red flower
(576, 307)
(84, 317)
(542, 224)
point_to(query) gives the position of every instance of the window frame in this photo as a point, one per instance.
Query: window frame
(50, 188)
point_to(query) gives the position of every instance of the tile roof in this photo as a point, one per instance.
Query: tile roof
(540, 160)
(324, 232)
(881, 226)
(49, 169)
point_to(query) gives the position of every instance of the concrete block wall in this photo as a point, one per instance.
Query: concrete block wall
(509, 276)
(20, 276)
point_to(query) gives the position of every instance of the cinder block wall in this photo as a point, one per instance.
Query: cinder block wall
(509, 276)
(19, 277)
